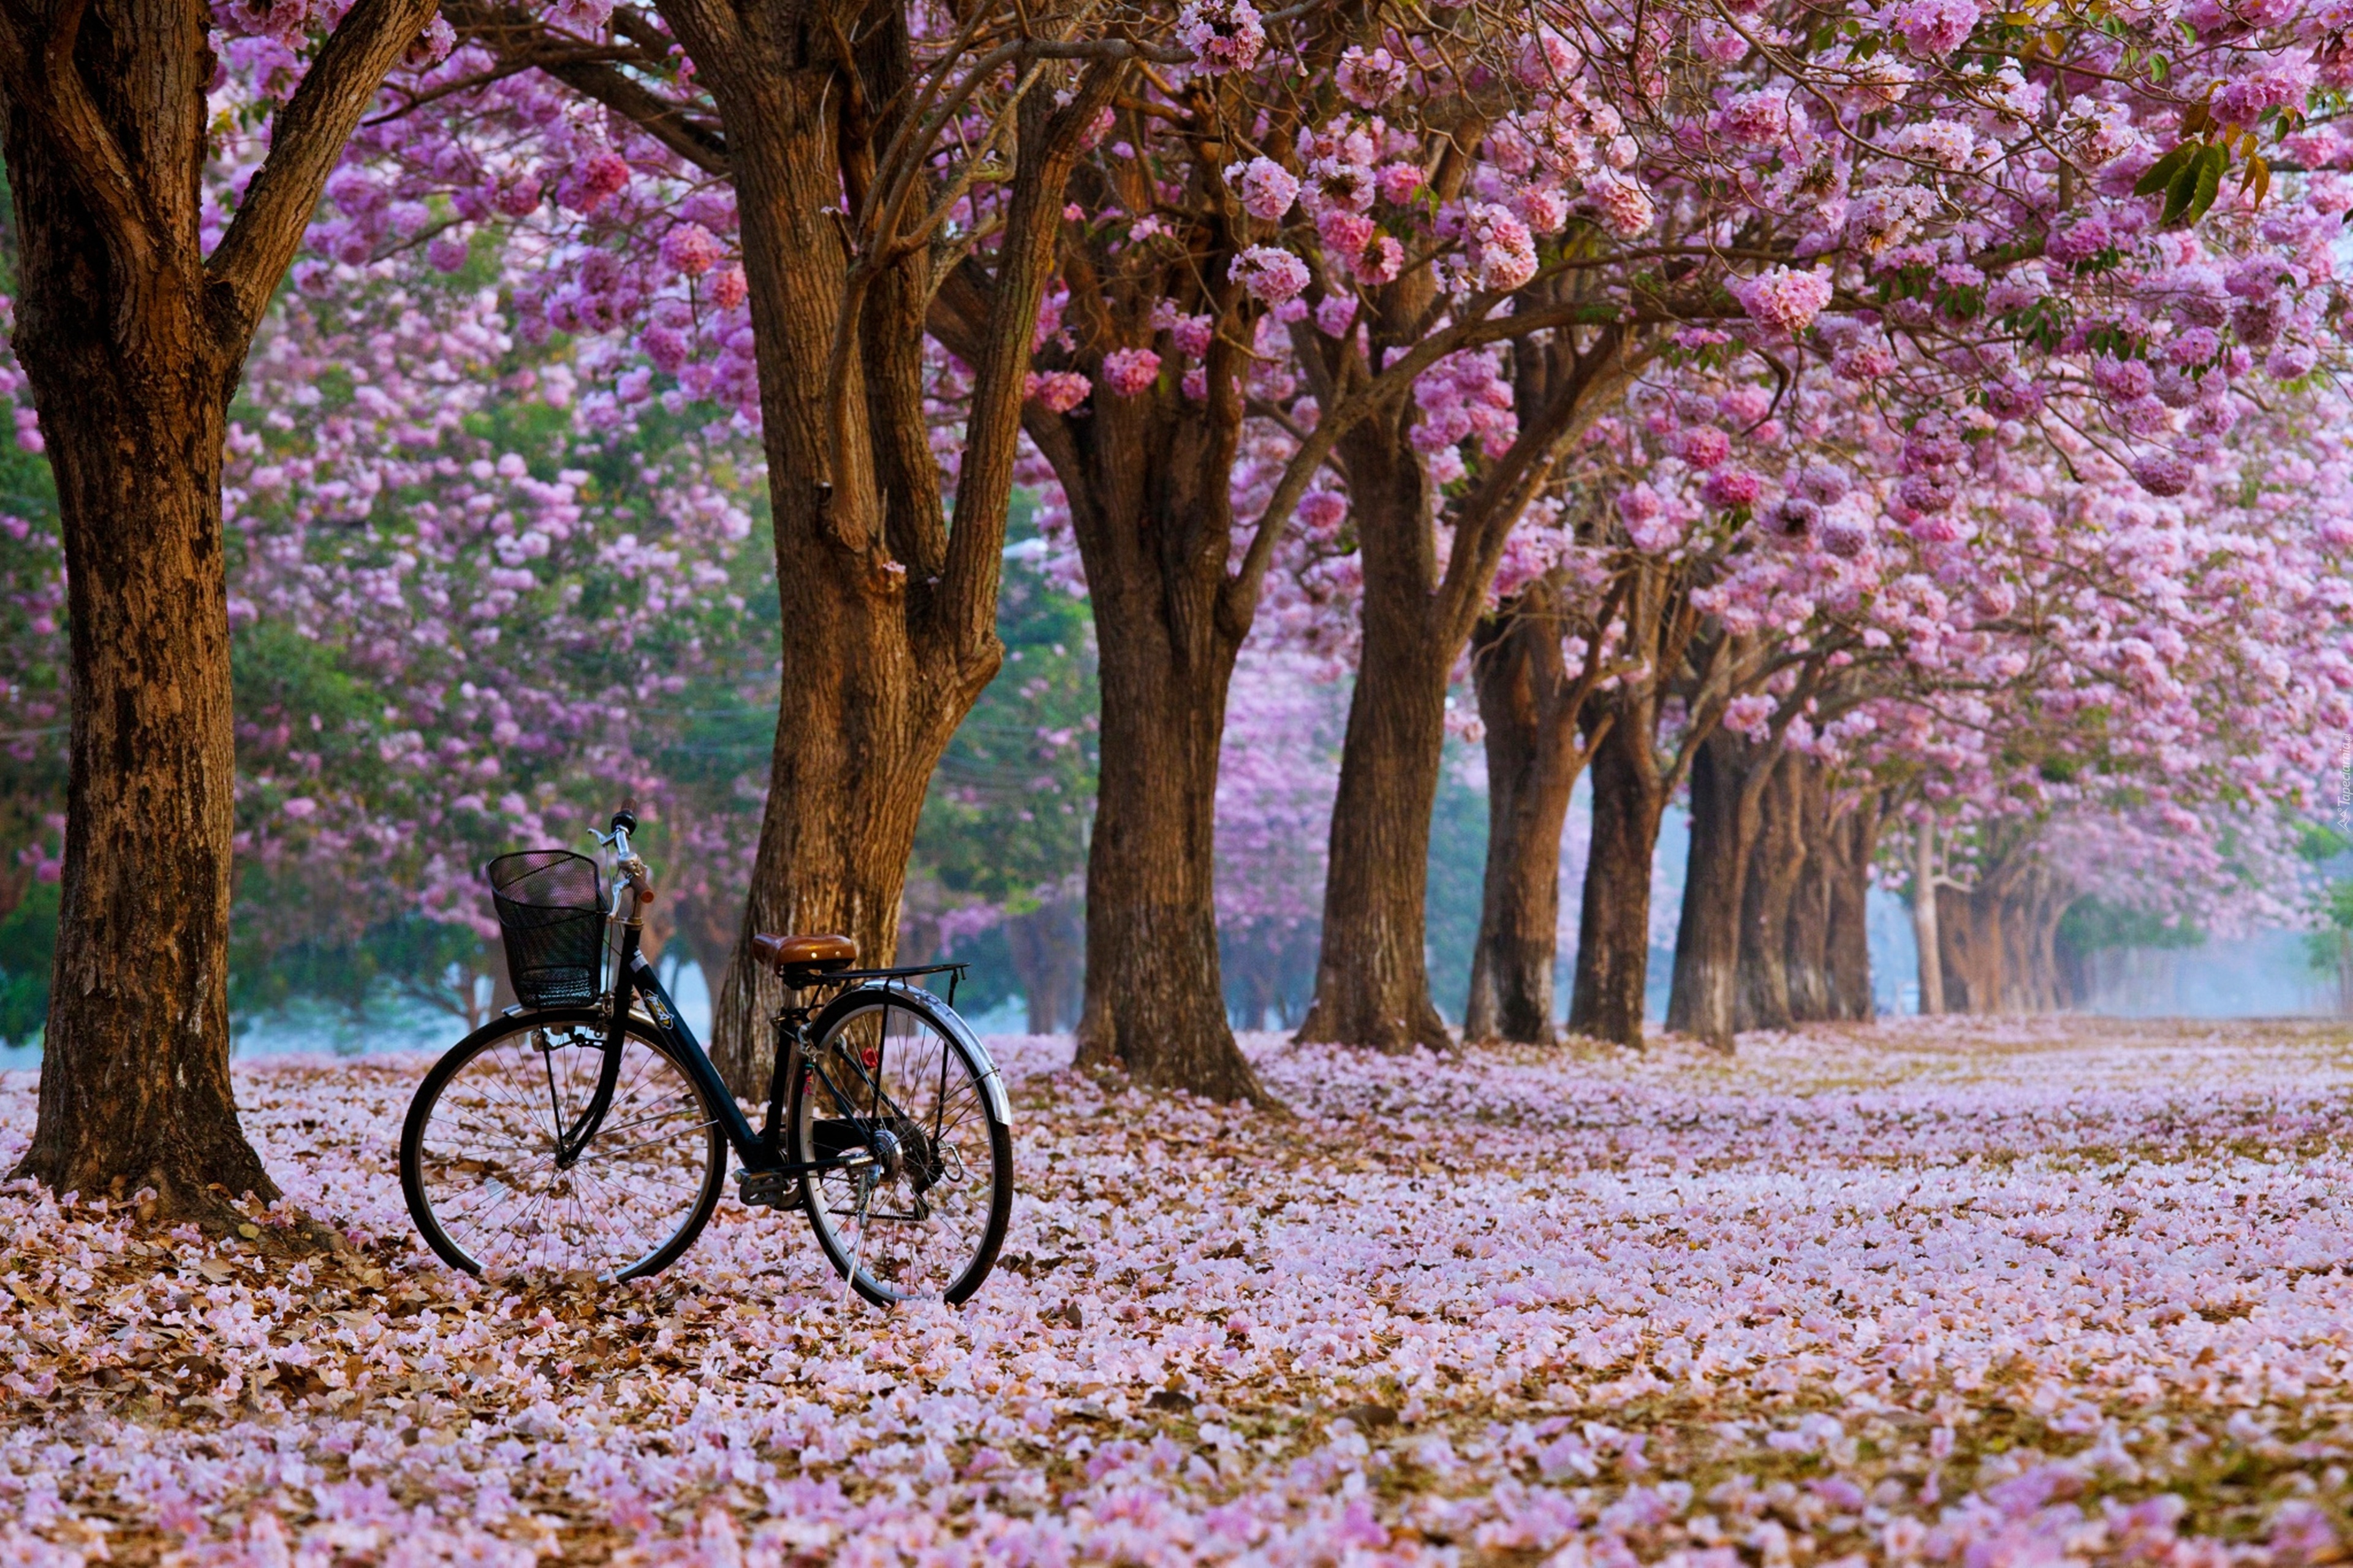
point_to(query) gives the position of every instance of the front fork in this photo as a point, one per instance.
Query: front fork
(573, 1140)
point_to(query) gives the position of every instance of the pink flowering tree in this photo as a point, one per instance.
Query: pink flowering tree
(109, 128)
(731, 234)
(2121, 319)
(474, 609)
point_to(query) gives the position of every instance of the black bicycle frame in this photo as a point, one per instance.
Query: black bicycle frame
(760, 1152)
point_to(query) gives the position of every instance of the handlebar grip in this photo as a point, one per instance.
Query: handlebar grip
(624, 821)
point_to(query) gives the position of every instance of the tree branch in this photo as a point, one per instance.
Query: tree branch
(306, 140)
(39, 66)
(1025, 260)
(521, 42)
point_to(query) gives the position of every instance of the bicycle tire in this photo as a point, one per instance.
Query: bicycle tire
(939, 1158)
(583, 1028)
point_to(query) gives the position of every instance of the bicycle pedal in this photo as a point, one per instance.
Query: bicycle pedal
(768, 1189)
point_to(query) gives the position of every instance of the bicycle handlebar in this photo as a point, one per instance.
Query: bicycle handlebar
(625, 859)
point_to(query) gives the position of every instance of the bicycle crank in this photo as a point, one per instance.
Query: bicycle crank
(768, 1189)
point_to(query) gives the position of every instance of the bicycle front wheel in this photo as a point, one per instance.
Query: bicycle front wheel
(894, 1074)
(478, 1156)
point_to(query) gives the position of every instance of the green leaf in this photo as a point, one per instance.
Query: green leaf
(2193, 188)
(2211, 165)
(2161, 173)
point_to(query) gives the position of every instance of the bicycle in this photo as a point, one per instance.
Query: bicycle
(584, 1129)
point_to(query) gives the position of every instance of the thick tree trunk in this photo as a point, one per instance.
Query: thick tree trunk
(1970, 925)
(889, 631)
(2031, 926)
(1854, 838)
(1613, 931)
(1155, 993)
(1527, 705)
(1776, 855)
(1147, 478)
(133, 340)
(1372, 978)
(1716, 874)
(135, 1082)
(1806, 932)
(1925, 936)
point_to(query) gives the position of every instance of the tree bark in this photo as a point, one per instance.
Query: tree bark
(1724, 817)
(1776, 855)
(1613, 931)
(888, 622)
(1969, 923)
(1155, 993)
(1529, 706)
(1926, 935)
(1147, 482)
(133, 340)
(1806, 932)
(1853, 837)
(1372, 980)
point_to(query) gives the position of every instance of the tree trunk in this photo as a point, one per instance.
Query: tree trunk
(1854, 838)
(2032, 926)
(1806, 932)
(1924, 933)
(1971, 926)
(1613, 931)
(133, 342)
(1372, 978)
(889, 625)
(1708, 930)
(1049, 959)
(1155, 993)
(1526, 704)
(135, 1082)
(1776, 855)
(1147, 479)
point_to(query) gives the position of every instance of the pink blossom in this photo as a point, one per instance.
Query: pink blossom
(2164, 473)
(1729, 487)
(1271, 273)
(1268, 189)
(1704, 446)
(1782, 299)
(1503, 254)
(1935, 28)
(1844, 534)
(1624, 208)
(1380, 262)
(1397, 183)
(1223, 34)
(1129, 372)
(595, 179)
(690, 250)
(1058, 391)
(1370, 78)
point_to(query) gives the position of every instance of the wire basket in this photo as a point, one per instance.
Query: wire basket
(551, 905)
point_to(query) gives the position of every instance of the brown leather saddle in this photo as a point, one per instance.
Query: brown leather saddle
(800, 960)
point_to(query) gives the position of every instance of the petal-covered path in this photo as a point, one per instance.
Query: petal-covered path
(1994, 1295)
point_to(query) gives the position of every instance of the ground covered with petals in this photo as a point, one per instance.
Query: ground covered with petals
(1994, 1296)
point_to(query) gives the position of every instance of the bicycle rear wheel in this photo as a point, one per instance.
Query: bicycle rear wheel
(478, 1155)
(894, 1072)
